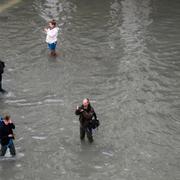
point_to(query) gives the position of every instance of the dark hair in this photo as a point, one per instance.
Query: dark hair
(6, 117)
(53, 22)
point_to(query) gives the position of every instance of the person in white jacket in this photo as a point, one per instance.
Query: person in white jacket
(51, 38)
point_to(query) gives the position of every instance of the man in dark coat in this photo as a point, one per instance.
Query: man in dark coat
(2, 66)
(86, 114)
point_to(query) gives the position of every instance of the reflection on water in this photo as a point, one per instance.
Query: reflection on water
(124, 56)
(54, 9)
(50, 9)
(7, 4)
(135, 21)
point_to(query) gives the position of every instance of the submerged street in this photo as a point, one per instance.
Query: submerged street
(124, 57)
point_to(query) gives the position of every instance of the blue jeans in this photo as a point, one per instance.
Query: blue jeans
(52, 46)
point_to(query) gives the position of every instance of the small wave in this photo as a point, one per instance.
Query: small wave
(108, 154)
(19, 155)
(98, 167)
(53, 100)
(10, 94)
(18, 165)
(15, 101)
(21, 138)
(25, 90)
(30, 104)
(39, 137)
(11, 69)
(9, 4)
(23, 102)
(75, 122)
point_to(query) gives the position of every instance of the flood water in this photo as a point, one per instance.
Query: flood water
(124, 56)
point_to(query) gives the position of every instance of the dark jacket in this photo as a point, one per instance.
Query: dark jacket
(6, 130)
(2, 66)
(86, 115)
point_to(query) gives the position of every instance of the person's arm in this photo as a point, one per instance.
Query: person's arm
(11, 124)
(94, 114)
(78, 110)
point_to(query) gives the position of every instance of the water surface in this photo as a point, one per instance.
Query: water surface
(124, 56)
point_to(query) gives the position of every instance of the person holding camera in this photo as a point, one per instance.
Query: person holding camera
(86, 116)
(51, 38)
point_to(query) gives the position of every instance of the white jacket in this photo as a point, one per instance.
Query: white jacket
(52, 35)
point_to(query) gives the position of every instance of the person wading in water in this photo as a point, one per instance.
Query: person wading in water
(7, 136)
(86, 115)
(51, 38)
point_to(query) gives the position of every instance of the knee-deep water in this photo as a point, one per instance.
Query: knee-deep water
(124, 56)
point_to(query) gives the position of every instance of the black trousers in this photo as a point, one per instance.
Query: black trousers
(0, 81)
(11, 149)
(88, 132)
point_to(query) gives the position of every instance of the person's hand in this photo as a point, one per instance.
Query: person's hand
(10, 135)
(81, 110)
(10, 121)
(45, 29)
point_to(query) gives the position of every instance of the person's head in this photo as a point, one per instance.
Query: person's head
(86, 102)
(7, 117)
(52, 24)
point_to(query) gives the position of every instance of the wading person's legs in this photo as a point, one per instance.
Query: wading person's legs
(12, 149)
(82, 133)
(3, 150)
(89, 134)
